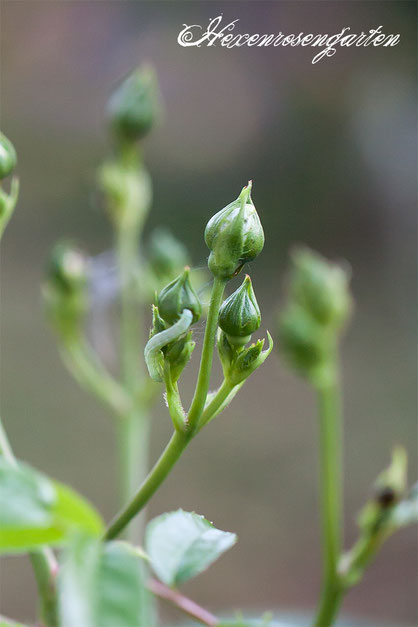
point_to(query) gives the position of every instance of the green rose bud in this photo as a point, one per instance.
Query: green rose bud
(303, 341)
(128, 192)
(178, 355)
(178, 296)
(166, 254)
(239, 316)
(321, 287)
(67, 268)
(65, 290)
(239, 363)
(134, 106)
(8, 158)
(234, 236)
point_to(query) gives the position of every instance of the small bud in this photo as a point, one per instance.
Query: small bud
(134, 106)
(391, 483)
(303, 341)
(65, 291)
(8, 157)
(128, 192)
(166, 254)
(379, 515)
(321, 287)
(239, 316)
(67, 268)
(239, 363)
(178, 296)
(234, 236)
(178, 355)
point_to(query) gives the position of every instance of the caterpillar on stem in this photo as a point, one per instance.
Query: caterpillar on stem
(157, 342)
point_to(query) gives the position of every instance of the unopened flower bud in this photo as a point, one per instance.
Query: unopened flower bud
(67, 268)
(304, 342)
(321, 287)
(234, 236)
(178, 296)
(128, 192)
(239, 316)
(166, 254)
(178, 355)
(134, 106)
(8, 157)
(65, 290)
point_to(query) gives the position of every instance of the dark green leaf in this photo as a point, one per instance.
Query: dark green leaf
(35, 510)
(181, 545)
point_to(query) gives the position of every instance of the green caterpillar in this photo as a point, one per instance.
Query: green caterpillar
(158, 341)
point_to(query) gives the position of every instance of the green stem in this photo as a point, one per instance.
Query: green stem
(225, 393)
(43, 561)
(134, 427)
(86, 368)
(169, 457)
(175, 406)
(5, 448)
(331, 498)
(43, 569)
(203, 379)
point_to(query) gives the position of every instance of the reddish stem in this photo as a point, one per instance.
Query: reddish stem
(183, 603)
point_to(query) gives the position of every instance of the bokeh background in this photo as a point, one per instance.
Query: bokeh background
(331, 150)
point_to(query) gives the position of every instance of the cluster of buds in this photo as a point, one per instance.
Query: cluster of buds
(234, 236)
(171, 345)
(8, 161)
(239, 318)
(319, 305)
(65, 289)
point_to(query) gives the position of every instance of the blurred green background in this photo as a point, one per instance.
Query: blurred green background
(331, 150)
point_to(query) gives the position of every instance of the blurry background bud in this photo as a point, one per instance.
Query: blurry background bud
(392, 481)
(65, 289)
(128, 192)
(239, 316)
(321, 287)
(166, 254)
(178, 296)
(234, 236)
(8, 158)
(390, 487)
(134, 105)
(304, 343)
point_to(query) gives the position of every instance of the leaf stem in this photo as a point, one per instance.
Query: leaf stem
(330, 445)
(183, 603)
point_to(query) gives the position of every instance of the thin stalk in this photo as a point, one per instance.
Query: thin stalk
(224, 394)
(330, 445)
(134, 428)
(203, 380)
(86, 368)
(43, 562)
(5, 448)
(183, 603)
(162, 468)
